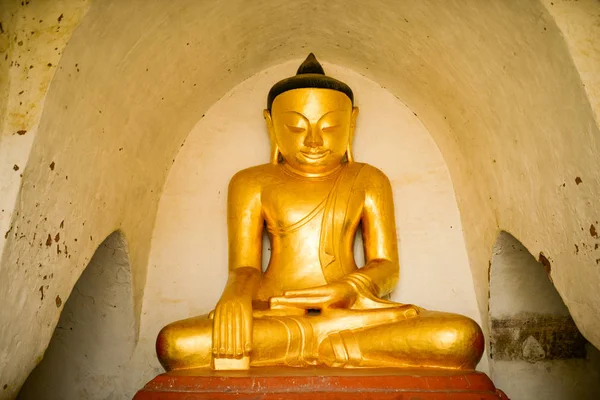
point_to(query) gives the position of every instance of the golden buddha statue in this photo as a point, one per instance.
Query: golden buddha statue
(313, 305)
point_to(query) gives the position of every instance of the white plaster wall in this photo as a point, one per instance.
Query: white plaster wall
(32, 40)
(188, 259)
(579, 22)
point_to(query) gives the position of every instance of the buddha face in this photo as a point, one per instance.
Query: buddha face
(312, 128)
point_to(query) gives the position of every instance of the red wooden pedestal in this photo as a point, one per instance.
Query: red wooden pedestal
(321, 384)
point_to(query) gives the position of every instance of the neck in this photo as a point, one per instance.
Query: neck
(311, 175)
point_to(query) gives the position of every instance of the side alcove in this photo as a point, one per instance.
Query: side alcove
(536, 350)
(95, 335)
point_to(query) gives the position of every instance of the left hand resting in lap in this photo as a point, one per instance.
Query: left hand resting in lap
(333, 295)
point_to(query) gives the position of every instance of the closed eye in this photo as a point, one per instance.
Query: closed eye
(295, 129)
(331, 128)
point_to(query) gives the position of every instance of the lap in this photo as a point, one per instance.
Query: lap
(428, 322)
(187, 343)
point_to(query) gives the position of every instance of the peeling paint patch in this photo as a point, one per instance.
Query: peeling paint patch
(593, 231)
(58, 301)
(52, 165)
(49, 240)
(532, 350)
(578, 180)
(536, 338)
(545, 262)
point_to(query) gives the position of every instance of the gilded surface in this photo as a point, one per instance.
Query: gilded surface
(313, 305)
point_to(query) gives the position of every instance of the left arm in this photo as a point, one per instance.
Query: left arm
(379, 234)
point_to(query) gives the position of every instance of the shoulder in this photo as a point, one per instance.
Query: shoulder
(371, 177)
(252, 174)
(252, 178)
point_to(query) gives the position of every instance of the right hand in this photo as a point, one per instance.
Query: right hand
(232, 327)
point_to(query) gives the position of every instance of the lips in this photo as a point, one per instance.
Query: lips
(315, 156)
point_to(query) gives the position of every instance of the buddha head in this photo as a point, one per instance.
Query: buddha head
(311, 118)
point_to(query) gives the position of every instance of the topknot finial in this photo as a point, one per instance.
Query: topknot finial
(310, 66)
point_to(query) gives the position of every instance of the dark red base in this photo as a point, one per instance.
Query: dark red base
(321, 384)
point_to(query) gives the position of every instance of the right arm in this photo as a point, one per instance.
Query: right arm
(232, 325)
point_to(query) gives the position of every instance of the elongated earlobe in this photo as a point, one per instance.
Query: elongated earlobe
(349, 153)
(275, 154)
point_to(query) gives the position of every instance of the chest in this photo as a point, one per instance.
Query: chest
(291, 203)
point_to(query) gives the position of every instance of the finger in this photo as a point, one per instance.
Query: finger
(237, 347)
(223, 331)
(230, 331)
(216, 330)
(301, 302)
(411, 311)
(247, 343)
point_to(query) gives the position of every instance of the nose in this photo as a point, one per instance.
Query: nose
(313, 137)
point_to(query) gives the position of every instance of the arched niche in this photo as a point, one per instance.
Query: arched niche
(188, 259)
(95, 335)
(536, 350)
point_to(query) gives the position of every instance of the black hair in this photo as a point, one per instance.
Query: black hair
(310, 74)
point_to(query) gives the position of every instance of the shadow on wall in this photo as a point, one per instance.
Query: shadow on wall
(95, 335)
(536, 349)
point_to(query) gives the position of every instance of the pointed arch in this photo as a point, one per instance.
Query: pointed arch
(95, 335)
(536, 350)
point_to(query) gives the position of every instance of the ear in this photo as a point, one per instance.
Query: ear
(274, 156)
(349, 154)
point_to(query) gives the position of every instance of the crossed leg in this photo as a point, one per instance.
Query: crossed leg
(431, 339)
